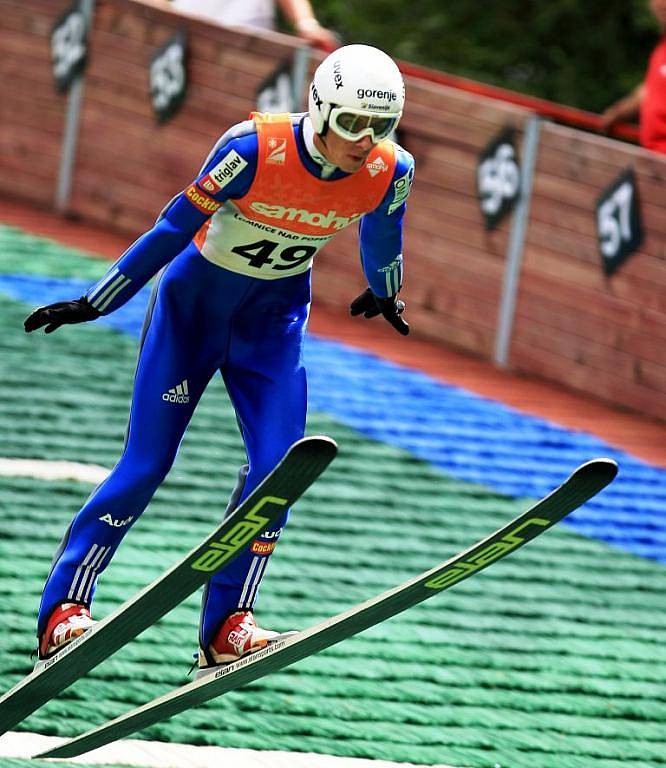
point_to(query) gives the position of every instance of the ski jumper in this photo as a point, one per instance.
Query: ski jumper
(233, 295)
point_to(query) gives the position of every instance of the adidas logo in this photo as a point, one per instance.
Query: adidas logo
(179, 394)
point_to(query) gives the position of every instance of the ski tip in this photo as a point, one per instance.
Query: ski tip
(60, 752)
(322, 444)
(604, 469)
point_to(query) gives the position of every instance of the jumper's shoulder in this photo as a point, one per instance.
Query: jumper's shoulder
(404, 162)
(400, 184)
(230, 167)
(241, 138)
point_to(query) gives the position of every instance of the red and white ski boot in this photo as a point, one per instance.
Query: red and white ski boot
(67, 622)
(237, 637)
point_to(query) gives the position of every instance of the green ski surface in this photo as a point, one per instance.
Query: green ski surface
(582, 485)
(299, 468)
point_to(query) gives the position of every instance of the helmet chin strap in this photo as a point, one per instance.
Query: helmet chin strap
(322, 139)
(327, 166)
(318, 155)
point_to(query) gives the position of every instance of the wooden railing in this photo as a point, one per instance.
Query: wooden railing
(572, 324)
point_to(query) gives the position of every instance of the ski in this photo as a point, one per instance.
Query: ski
(299, 468)
(583, 484)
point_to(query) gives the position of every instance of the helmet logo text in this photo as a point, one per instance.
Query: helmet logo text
(316, 97)
(369, 93)
(337, 75)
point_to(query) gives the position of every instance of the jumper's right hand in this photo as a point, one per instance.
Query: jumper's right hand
(60, 313)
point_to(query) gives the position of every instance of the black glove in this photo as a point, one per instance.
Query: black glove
(60, 313)
(391, 308)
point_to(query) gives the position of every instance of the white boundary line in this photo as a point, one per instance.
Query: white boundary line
(53, 470)
(157, 754)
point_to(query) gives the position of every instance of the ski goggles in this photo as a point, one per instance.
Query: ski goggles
(353, 125)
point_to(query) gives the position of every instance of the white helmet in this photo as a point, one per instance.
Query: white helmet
(357, 91)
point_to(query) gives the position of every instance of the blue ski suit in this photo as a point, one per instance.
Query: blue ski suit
(229, 304)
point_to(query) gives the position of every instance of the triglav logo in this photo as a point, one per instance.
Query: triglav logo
(272, 534)
(219, 176)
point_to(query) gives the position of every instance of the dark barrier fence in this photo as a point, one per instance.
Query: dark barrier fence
(529, 289)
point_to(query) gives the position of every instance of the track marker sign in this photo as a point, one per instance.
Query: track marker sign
(69, 46)
(619, 225)
(498, 178)
(168, 78)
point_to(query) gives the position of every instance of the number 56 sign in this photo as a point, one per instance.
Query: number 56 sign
(619, 228)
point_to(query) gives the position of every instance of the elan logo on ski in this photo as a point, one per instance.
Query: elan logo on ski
(487, 555)
(245, 530)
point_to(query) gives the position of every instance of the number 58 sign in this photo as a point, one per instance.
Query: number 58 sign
(498, 178)
(619, 228)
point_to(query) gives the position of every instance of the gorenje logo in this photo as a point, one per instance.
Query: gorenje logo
(314, 219)
(368, 93)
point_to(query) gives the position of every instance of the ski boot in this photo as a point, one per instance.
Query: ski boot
(67, 622)
(238, 636)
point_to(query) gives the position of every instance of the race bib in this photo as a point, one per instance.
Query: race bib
(257, 249)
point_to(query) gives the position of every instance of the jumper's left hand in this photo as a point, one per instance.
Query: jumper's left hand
(391, 308)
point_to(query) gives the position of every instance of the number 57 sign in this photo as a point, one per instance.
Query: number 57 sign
(619, 228)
